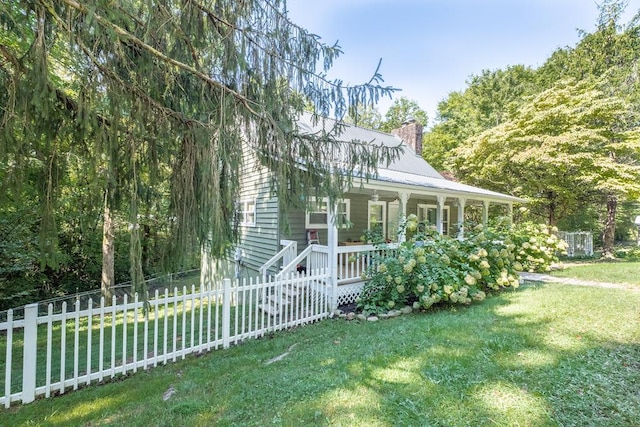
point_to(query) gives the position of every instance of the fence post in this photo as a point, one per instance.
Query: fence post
(226, 313)
(29, 353)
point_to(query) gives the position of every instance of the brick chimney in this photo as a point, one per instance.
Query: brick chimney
(411, 133)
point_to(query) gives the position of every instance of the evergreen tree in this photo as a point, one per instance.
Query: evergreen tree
(162, 98)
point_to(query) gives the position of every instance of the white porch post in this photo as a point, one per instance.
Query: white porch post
(404, 198)
(332, 243)
(439, 214)
(461, 202)
(485, 212)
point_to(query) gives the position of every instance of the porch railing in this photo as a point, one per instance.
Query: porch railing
(353, 261)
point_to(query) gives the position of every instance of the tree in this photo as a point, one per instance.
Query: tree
(364, 116)
(485, 103)
(162, 98)
(492, 101)
(401, 110)
(570, 143)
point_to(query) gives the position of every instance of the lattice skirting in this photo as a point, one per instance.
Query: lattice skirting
(347, 294)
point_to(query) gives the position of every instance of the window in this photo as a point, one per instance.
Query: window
(429, 215)
(318, 217)
(377, 218)
(247, 212)
(393, 220)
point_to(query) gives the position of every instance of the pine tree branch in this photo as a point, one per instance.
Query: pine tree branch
(153, 51)
(110, 74)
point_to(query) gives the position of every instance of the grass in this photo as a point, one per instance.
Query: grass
(541, 355)
(600, 271)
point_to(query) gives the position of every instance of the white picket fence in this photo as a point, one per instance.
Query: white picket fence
(85, 345)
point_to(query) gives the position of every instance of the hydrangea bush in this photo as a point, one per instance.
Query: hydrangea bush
(428, 268)
(537, 246)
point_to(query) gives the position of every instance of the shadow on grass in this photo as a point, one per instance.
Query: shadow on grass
(542, 355)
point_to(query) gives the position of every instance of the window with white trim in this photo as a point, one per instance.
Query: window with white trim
(247, 212)
(393, 220)
(429, 215)
(377, 217)
(318, 217)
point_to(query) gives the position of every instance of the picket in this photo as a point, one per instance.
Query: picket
(131, 334)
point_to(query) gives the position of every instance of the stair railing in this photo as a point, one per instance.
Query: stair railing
(286, 254)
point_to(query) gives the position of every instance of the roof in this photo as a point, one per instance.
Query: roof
(409, 169)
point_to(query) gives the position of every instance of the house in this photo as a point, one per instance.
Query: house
(409, 185)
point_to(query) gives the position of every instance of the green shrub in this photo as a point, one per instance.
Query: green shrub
(428, 268)
(628, 254)
(537, 247)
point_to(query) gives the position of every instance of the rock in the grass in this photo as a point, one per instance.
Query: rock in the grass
(372, 319)
(169, 393)
(406, 310)
(383, 315)
(351, 316)
(342, 316)
(361, 316)
(338, 312)
(394, 313)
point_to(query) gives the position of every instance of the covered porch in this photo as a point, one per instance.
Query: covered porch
(336, 239)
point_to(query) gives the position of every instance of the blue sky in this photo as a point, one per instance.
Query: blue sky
(429, 48)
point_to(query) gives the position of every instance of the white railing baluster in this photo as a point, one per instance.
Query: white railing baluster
(175, 322)
(193, 318)
(76, 344)
(200, 319)
(8, 360)
(101, 346)
(125, 322)
(63, 346)
(145, 333)
(134, 350)
(155, 329)
(217, 318)
(47, 378)
(226, 312)
(166, 326)
(89, 330)
(184, 319)
(114, 325)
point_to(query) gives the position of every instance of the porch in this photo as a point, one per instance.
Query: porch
(336, 239)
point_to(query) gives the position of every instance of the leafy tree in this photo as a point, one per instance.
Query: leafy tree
(161, 100)
(401, 110)
(609, 54)
(364, 116)
(567, 144)
(485, 103)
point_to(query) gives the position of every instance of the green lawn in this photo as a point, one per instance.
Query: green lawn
(540, 355)
(611, 272)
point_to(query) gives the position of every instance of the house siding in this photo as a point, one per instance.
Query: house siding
(258, 242)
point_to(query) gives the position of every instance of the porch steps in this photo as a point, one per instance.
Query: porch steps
(288, 296)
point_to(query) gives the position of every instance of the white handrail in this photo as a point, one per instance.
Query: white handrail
(306, 255)
(290, 247)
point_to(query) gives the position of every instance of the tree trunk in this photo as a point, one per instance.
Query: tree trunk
(551, 196)
(609, 227)
(108, 254)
